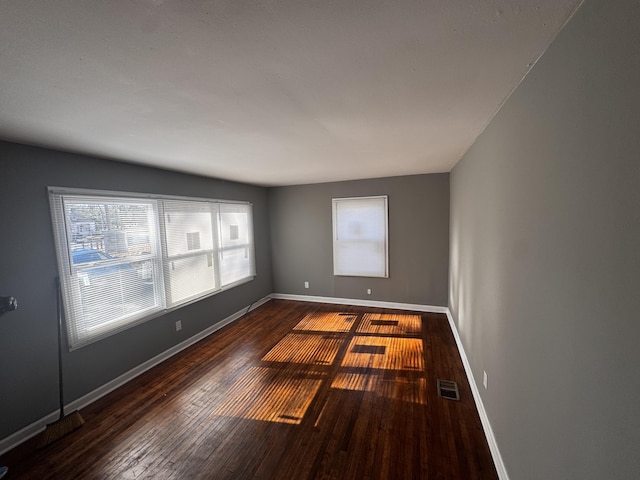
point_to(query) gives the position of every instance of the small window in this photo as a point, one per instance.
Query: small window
(234, 232)
(360, 231)
(193, 240)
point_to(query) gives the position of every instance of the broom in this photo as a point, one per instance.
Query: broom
(64, 424)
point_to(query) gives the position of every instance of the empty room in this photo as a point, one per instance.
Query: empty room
(319, 240)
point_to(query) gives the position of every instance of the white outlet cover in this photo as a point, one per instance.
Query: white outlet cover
(485, 379)
(306, 284)
(178, 325)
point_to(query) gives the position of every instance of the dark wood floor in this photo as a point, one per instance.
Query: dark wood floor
(291, 391)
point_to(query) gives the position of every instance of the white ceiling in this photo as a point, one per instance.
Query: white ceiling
(267, 92)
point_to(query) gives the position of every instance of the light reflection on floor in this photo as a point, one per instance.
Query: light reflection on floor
(390, 324)
(262, 394)
(327, 322)
(379, 353)
(301, 348)
(399, 388)
(389, 353)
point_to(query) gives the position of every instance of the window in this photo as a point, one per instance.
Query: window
(189, 271)
(360, 246)
(124, 259)
(236, 242)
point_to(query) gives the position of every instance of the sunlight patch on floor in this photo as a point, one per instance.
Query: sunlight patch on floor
(390, 324)
(304, 348)
(388, 353)
(327, 322)
(404, 389)
(261, 394)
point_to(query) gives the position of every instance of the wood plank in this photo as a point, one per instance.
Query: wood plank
(293, 390)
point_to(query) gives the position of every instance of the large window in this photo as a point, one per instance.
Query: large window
(360, 243)
(125, 258)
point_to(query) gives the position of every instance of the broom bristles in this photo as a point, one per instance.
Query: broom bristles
(60, 428)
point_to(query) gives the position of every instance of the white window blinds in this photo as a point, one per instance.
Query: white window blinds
(108, 254)
(360, 245)
(124, 259)
(236, 249)
(189, 243)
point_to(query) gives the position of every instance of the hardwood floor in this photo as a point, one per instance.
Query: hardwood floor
(292, 390)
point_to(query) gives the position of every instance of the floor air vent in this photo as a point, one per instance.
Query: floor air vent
(448, 389)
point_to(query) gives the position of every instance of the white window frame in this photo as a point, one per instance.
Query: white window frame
(68, 272)
(339, 268)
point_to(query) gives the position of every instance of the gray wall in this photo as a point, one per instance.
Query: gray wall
(302, 249)
(28, 358)
(545, 255)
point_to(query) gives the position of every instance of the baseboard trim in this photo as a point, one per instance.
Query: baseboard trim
(486, 425)
(361, 303)
(36, 427)
(27, 432)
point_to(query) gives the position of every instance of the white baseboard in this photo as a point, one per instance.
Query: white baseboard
(26, 433)
(486, 425)
(362, 303)
(36, 427)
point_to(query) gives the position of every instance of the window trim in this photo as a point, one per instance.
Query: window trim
(154, 196)
(65, 265)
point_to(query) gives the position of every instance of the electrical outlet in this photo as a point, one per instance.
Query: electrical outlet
(368, 291)
(306, 284)
(178, 325)
(485, 379)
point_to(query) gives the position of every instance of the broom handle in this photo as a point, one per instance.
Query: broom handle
(60, 383)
